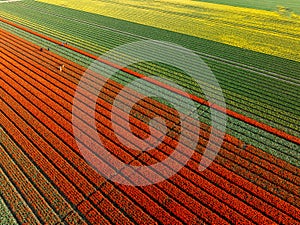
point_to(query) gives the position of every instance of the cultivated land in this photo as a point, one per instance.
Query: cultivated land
(260, 86)
(42, 169)
(273, 5)
(44, 178)
(257, 30)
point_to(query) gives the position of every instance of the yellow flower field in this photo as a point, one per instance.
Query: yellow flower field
(257, 30)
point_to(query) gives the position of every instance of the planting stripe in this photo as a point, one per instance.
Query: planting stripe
(237, 190)
(23, 52)
(14, 200)
(230, 113)
(166, 216)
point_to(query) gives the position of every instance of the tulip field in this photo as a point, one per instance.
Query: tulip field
(205, 20)
(47, 48)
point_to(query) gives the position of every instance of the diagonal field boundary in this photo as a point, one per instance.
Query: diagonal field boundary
(202, 101)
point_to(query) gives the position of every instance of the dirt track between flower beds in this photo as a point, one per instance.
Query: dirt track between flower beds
(244, 185)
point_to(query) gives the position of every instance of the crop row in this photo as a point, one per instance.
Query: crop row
(135, 31)
(65, 170)
(92, 21)
(27, 189)
(244, 28)
(90, 47)
(88, 42)
(258, 112)
(52, 196)
(262, 109)
(76, 183)
(15, 202)
(284, 150)
(47, 76)
(261, 59)
(165, 216)
(271, 144)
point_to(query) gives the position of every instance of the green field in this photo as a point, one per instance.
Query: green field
(270, 5)
(263, 87)
(273, 33)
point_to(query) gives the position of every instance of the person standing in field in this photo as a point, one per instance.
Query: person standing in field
(61, 67)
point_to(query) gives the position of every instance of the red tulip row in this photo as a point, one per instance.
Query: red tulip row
(164, 215)
(237, 143)
(178, 192)
(233, 114)
(67, 173)
(284, 166)
(32, 173)
(228, 138)
(22, 212)
(26, 187)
